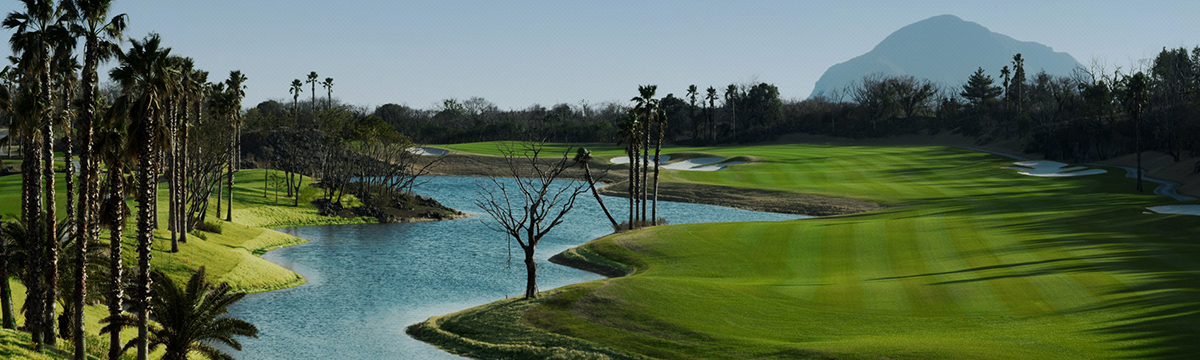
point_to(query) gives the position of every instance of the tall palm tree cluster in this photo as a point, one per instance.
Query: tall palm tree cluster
(141, 135)
(645, 118)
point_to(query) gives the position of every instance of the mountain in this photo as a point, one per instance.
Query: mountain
(946, 50)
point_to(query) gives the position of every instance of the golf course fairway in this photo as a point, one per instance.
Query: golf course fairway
(968, 261)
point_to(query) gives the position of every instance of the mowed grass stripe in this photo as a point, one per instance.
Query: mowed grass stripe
(803, 252)
(842, 289)
(947, 267)
(1086, 288)
(906, 259)
(1015, 292)
(874, 262)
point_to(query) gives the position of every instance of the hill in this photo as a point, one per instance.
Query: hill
(945, 49)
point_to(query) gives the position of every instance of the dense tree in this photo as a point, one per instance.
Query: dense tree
(1136, 94)
(979, 89)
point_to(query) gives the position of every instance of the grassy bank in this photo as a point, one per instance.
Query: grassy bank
(233, 256)
(971, 261)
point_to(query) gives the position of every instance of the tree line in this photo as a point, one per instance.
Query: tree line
(161, 120)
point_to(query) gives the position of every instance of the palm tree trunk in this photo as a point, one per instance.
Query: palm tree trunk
(645, 166)
(51, 221)
(172, 178)
(657, 151)
(184, 224)
(220, 193)
(31, 170)
(229, 202)
(116, 268)
(145, 238)
(632, 184)
(587, 175)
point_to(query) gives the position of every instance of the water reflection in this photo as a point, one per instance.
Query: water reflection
(366, 283)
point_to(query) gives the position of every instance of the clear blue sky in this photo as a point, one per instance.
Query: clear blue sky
(517, 53)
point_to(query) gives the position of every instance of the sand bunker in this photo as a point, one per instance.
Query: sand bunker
(697, 164)
(1176, 209)
(428, 151)
(701, 164)
(625, 159)
(1047, 168)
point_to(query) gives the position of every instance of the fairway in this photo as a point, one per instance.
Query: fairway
(970, 260)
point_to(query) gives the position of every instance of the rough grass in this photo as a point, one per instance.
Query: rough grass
(975, 261)
(232, 256)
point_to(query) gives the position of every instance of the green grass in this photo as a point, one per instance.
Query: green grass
(232, 256)
(971, 261)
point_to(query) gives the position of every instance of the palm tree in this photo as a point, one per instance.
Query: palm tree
(730, 99)
(661, 121)
(63, 77)
(143, 79)
(583, 156)
(32, 39)
(237, 91)
(628, 131)
(649, 107)
(712, 113)
(691, 94)
(295, 90)
(328, 84)
(312, 79)
(113, 148)
(101, 37)
(192, 317)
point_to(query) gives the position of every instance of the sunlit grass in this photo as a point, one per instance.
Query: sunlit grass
(970, 261)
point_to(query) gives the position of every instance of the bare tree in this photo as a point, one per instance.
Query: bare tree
(534, 203)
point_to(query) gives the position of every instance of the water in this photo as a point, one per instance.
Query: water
(366, 283)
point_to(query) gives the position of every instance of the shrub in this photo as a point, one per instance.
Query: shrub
(209, 227)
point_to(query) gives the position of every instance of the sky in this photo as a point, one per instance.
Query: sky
(519, 53)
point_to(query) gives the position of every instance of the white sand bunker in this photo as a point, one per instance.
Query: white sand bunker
(650, 159)
(1176, 209)
(701, 164)
(1047, 168)
(428, 151)
(697, 164)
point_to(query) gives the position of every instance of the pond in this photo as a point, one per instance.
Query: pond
(366, 283)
